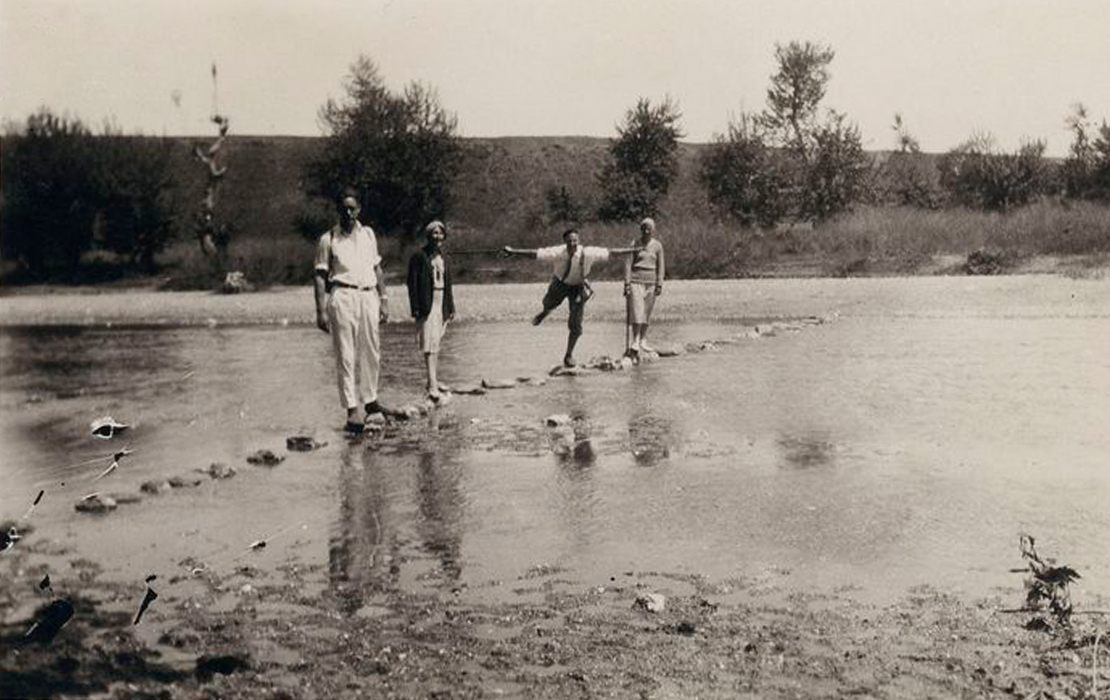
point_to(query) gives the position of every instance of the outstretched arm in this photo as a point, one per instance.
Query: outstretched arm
(508, 251)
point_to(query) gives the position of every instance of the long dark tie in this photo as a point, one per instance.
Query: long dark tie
(566, 270)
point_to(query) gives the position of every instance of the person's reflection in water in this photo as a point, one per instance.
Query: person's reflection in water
(576, 459)
(651, 438)
(806, 451)
(440, 503)
(360, 553)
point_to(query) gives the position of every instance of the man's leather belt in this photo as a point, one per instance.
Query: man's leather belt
(351, 286)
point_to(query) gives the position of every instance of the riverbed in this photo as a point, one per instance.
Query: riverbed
(856, 438)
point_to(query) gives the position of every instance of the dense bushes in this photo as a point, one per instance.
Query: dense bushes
(975, 175)
(68, 191)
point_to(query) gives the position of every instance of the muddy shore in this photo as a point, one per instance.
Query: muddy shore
(277, 628)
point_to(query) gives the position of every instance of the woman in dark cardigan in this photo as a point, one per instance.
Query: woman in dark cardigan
(430, 299)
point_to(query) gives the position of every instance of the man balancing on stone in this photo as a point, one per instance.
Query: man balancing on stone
(570, 263)
(351, 301)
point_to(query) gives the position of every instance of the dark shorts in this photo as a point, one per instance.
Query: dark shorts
(575, 296)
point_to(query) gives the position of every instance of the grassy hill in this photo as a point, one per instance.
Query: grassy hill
(500, 197)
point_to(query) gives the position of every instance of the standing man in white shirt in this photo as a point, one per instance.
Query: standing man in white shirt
(351, 301)
(570, 265)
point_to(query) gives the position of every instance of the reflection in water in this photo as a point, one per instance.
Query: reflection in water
(359, 552)
(651, 437)
(571, 444)
(806, 451)
(440, 505)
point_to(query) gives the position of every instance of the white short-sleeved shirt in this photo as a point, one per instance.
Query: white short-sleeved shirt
(349, 258)
(584, 258)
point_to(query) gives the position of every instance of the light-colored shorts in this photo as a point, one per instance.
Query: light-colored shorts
(641, 301)
(429, 332)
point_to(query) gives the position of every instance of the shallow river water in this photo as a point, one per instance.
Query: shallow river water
(907, 440)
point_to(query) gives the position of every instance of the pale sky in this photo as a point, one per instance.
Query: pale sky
(560, 67)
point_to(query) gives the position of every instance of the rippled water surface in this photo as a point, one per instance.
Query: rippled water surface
(908, 440)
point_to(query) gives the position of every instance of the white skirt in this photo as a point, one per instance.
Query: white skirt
(429, 332)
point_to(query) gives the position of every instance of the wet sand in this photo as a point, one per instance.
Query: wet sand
(279, 621)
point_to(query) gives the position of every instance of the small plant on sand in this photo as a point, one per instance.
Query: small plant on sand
(1047, 584)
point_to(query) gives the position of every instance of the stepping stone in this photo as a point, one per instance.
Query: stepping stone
(266, 458)
(672, 351)
(219, 470)
(302, 443)
(184, 482)
(556, 420)
(471, 389)
(95, 503)
(156, 486)
(498, 383)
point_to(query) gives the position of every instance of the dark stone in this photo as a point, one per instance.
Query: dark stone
(49, 622)
(225, 664)
(95, 503)
(219, 470)
(266, 458)
(302, 443)
(184, 482)
(155, 486)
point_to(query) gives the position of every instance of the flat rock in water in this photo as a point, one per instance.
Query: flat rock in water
(266, 458)
(471, 389)
(219, 470)
(498, 383)
(185, 482)
(652, 602)
(749, 333)
(409, 412)
(374, 421)
(672, 351)
(95, 503)
(302, 443)
(564, 371)
(125, 498)
(531, 381)
(156, 486)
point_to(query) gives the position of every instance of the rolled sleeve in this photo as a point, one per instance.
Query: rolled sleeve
(550, 253)
(323, 252)
(596, 254)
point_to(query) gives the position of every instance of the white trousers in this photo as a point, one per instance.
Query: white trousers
(353, 315)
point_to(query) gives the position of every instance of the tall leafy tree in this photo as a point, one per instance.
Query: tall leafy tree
(400, 151)
(642, 162)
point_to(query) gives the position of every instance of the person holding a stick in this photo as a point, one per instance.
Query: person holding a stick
(644, 271)
(571, 263)
(431, 300)
(351, 301)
